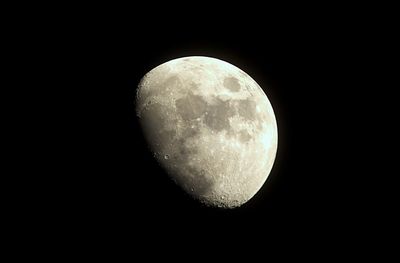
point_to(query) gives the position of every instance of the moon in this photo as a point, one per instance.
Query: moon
(210, 126)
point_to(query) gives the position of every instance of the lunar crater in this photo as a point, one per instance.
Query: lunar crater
(232, 84)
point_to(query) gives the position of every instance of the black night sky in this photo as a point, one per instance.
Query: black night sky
(290, 65)
(106, 185)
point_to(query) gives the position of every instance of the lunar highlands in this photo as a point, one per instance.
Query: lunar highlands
(210, 126)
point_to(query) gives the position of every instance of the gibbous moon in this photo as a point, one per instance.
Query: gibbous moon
(210, 126)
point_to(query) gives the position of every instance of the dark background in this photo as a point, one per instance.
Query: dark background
(100, 185)
(301, 71)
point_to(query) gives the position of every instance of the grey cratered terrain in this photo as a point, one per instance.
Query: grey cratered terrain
(210, 126)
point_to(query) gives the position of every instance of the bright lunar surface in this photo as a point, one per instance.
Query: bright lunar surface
(210, 126)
